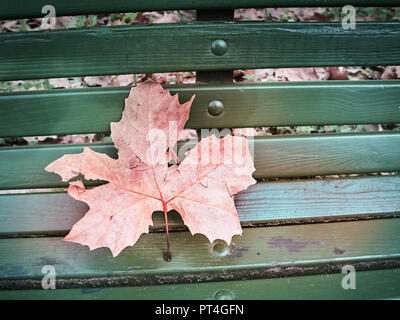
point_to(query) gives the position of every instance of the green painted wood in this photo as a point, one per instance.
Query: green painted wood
(89, 110)
(25, 8)
(266, 203)
(32, 173)
(379, 284)
(322, 154)
(275, 156)
(180, 47)
(259, 253)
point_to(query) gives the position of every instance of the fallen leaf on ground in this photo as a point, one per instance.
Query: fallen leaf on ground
(140, 181)
(301, 74)
(244, 132)
(338, 73)
(59, 83)
(39, 138)
(122, 80)
(162, 17)
(77, 138)
(391, 72)
(250, 14)
(100, 81)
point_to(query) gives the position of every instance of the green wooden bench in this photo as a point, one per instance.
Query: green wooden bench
(298, 233)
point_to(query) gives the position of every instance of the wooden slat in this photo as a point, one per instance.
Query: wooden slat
(180, 47)
(323, 154)
(386, 285)
(28, 8)
(276, 156)
(89, 110)
(265, 203)
(258, 253)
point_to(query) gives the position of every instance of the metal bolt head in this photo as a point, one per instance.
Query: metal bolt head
(215, 108)
(219, 47)
(220, 249)
(224, 294)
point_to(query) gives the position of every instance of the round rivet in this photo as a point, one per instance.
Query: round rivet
(219, 47)
(220, 249)
(223, 294)
(215, 108)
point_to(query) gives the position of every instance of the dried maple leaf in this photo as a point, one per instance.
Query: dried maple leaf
(140, 181)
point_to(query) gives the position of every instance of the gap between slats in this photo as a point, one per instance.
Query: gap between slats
(28, 9)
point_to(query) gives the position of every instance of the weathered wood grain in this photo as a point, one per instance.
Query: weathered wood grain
(258, 253)
(267, 203)
(322, 154)
(275, 156)
(386, 284)
(187, 47)
(89, 110)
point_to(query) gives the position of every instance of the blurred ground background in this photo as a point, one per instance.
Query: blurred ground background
(255, 75)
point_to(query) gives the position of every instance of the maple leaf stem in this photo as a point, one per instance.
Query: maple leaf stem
(167, 256)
